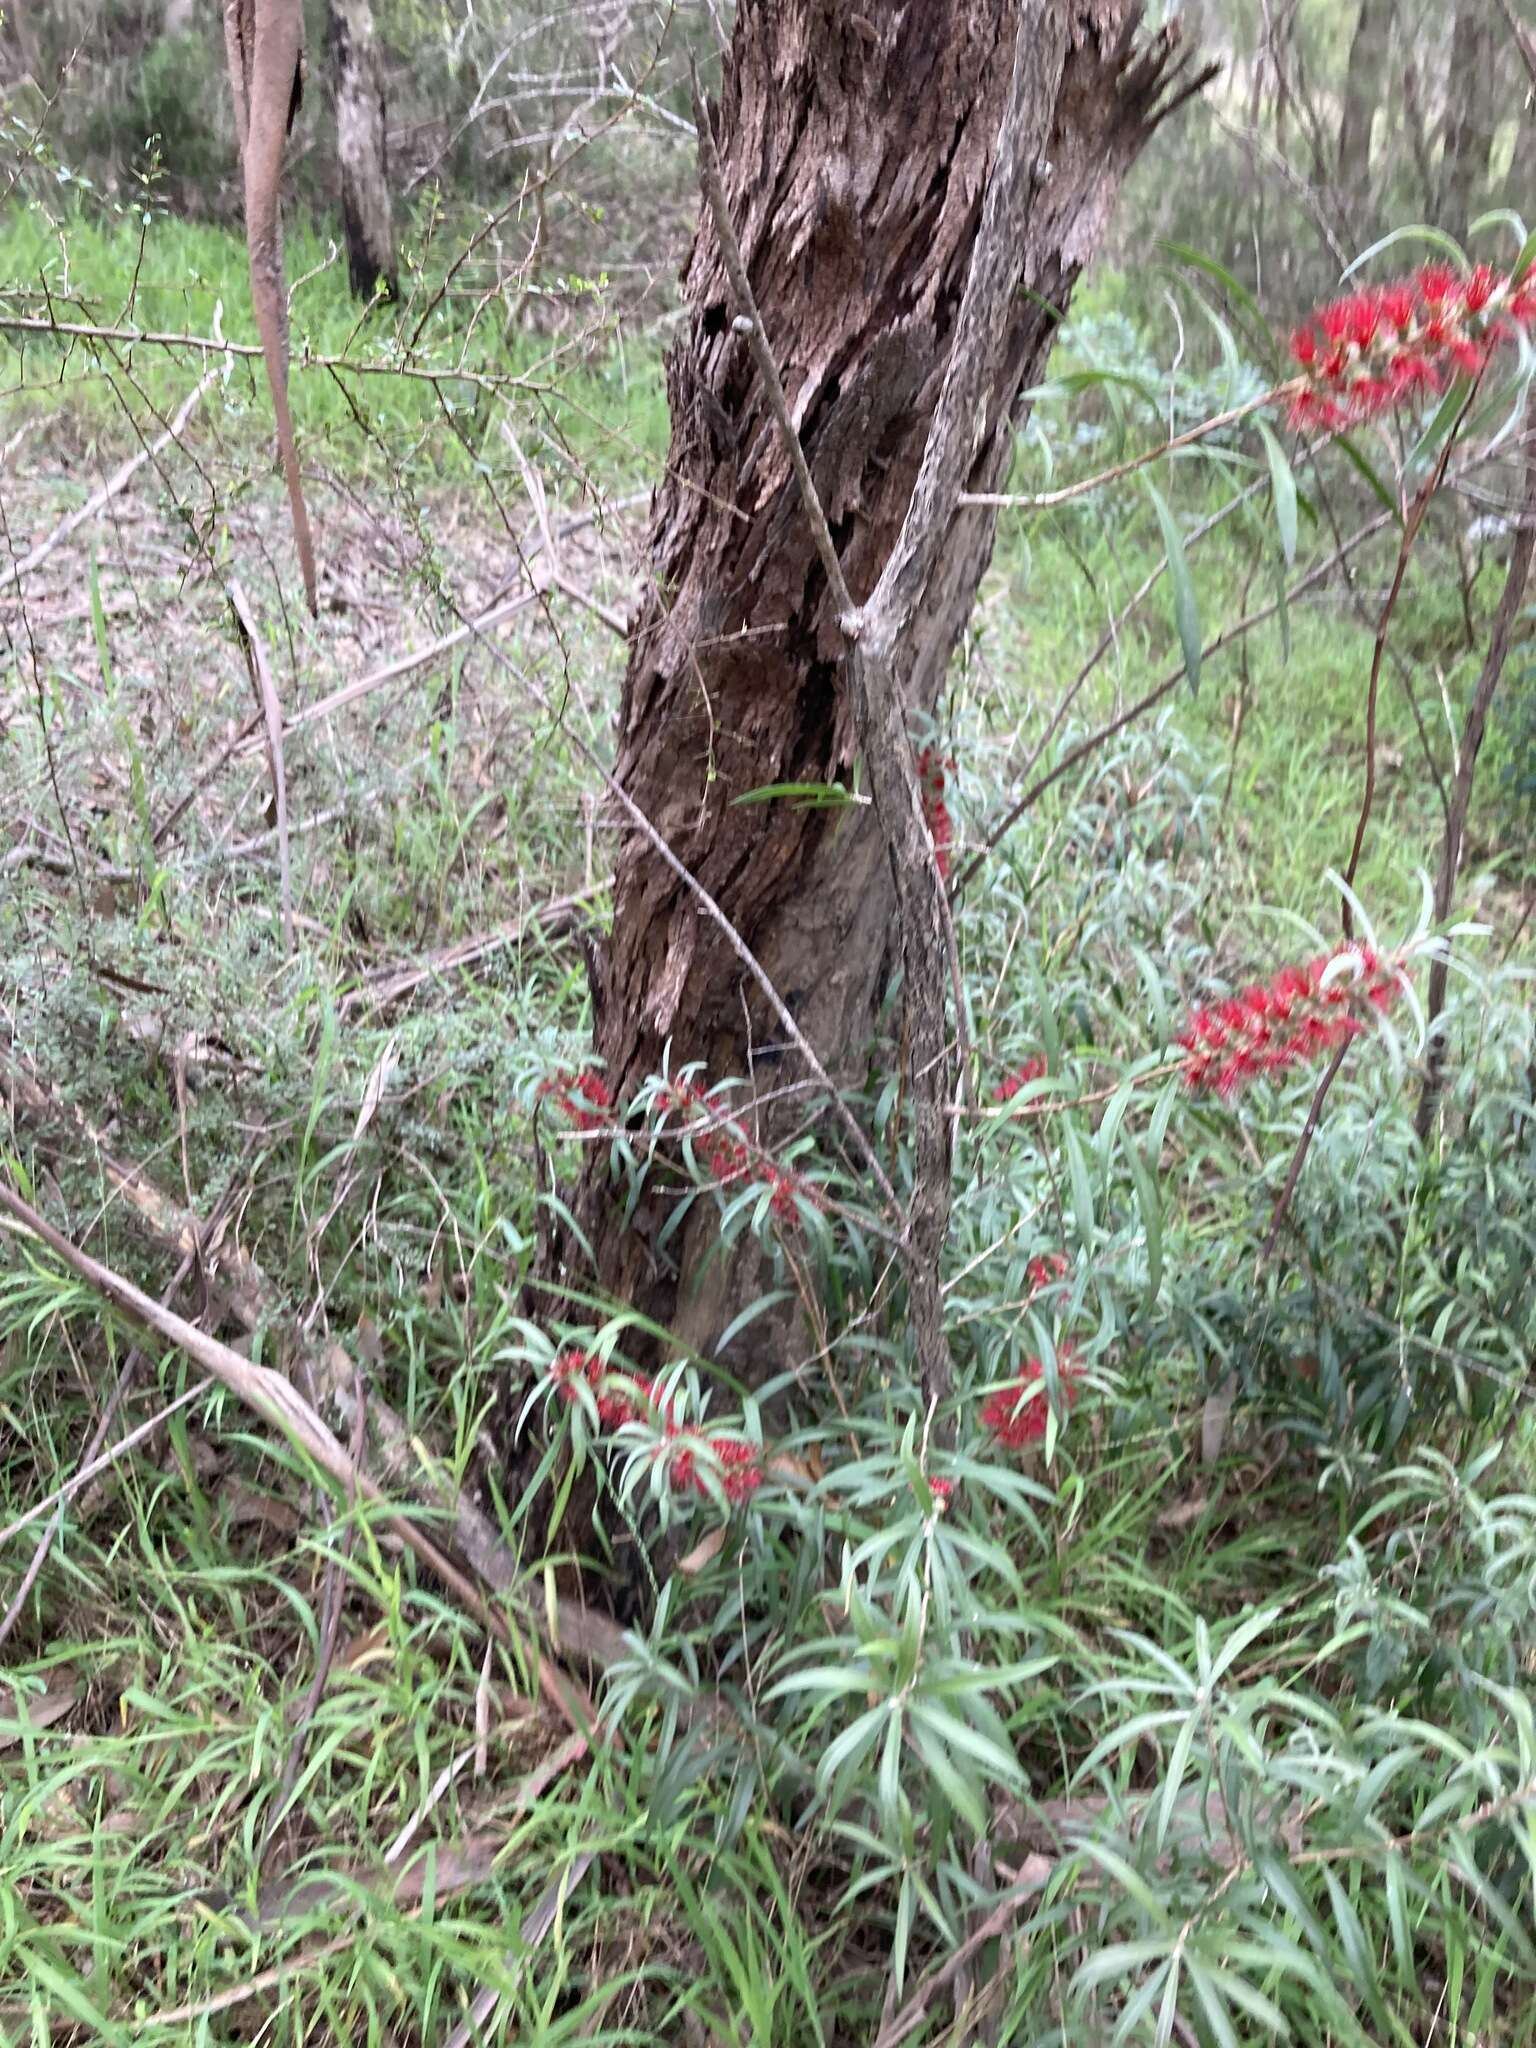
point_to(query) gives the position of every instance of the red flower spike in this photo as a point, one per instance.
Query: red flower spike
(1032, 1070)
(1392, 344)
(585, 1098)
(1045, 1270)
(1017, 1415)
(931, 778)
(730, 1159)
(1286, 1022)
(943, 1491)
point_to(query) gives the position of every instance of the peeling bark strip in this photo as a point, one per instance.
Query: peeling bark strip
(264, 44)
(855, 152)
(361, 152)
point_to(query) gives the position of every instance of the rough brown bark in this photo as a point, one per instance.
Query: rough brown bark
(358, 93)
(855, 152)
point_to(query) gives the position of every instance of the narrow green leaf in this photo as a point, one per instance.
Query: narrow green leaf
(807, 796)
(1282, 484)
(1237, 292)
(1186, 611)
(1151, 1212)
(1415, 231)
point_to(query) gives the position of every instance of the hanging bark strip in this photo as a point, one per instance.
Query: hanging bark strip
(264, 43)
(855, 153)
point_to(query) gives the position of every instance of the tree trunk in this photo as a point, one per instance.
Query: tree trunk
(1363, 82)
(360, 148)
(1469, 100)
(855, 151)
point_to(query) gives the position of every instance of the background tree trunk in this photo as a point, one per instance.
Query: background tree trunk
(1469, 101)
(855, 149)
(356, 86)
(1363, 83)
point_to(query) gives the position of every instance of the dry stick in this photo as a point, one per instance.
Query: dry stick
(1303, 1146)
(190, 1257)
(248, 1298)
(1159, 691)
(495, 614)
(216, 345)
(387, 985)
(272, 711)
(116, 483)
(270, 1396)
(1512, 598)
(896, 2030)
(1043, 501)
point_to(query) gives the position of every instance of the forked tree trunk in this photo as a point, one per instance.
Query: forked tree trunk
(855, 147)
(358, 92)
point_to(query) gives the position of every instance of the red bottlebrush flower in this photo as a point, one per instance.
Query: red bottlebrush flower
(1017, 1414)
(741, 1474)
(1282, 1023)
(1480, 288)
(569, 1366)
(1046, 1269)
(585, 1098)
(730, 1159)
(1390, 344)
(1009, 1086)
(943, 1491)
(931, 780)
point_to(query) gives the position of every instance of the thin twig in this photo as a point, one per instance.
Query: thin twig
(1044, 501)
(216, 345)
(62, 1495)
(1500, 641)
(272, 711)
(1303, 1146)
(1411, 526)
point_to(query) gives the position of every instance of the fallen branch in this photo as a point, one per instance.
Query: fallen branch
(392, 1453)
(385, 986)
(269, 1395)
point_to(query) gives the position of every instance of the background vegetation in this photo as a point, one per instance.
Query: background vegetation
(1208, 1716)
